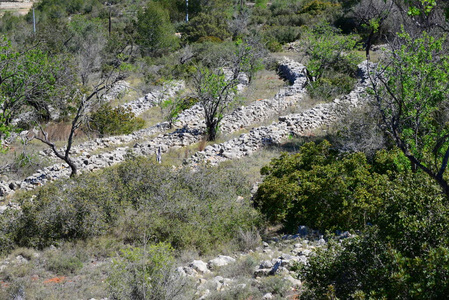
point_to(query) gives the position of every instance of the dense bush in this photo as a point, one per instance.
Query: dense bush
(404, 255)
(207, 25)
(135, 199)
(323, 189)
(113, 121)
(156, 34)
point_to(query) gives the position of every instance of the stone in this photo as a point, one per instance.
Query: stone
(268, 296)
(220, 261)
(296, 283)
(199, 266)
(266, 264)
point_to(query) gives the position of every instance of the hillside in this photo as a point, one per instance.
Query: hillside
(291, 149)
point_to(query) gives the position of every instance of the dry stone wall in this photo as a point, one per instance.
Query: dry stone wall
(290, 125)
(192, 130)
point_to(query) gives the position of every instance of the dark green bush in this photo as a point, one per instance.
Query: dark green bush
(323, 189)
(282, 34)
(114, 121)
(213, 24)
(404, 255)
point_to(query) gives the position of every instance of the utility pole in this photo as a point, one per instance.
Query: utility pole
(110, 21)
(34, 22)
(187, 11)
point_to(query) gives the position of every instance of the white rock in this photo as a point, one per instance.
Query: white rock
(199, 266)
(220, 261)
(267, 296)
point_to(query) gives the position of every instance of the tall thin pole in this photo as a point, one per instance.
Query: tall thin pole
(110, 21)
(34, 22)
(187, 11)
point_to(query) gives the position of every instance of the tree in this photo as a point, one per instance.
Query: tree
(371, 15)
(156, 34)
(84, 101)
(88, 38)
(215, 93)
(215, 89)
(411, 94)
(29, 79)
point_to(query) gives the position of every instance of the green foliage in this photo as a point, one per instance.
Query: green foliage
(114, 121)
(282, 34)
(215, 93)
(188, 210)
(31, 79)
(62, 263)
(156, 34)
(83, 212)
(331, 86)
(145, 273)
(204, 25)
(176, 106)
(404, 255)
(332, 64)
(261, 3)
(327, 50)
(412, 98)
(323, 189)
(316, 7)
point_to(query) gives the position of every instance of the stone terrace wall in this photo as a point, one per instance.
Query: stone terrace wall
(191, 132)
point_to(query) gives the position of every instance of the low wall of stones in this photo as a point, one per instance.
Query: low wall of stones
(153, 98)
(191, 132)
(295, 124)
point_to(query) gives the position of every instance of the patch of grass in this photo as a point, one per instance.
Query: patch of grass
(61, 263)
(265, 85)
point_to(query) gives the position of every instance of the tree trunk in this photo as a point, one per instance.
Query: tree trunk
(212, 128)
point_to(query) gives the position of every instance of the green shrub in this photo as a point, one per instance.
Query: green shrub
(212, 24)
(114, 121)
(173, 107)
(321, 188)
(146, 273)
(316, 7)
(64, 211)
(404, 255)
(189, 210)
(139, 197)
(282, 34)
(261, 3)
(274, 46)
(328, 50)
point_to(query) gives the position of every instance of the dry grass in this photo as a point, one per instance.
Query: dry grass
(265, 85)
